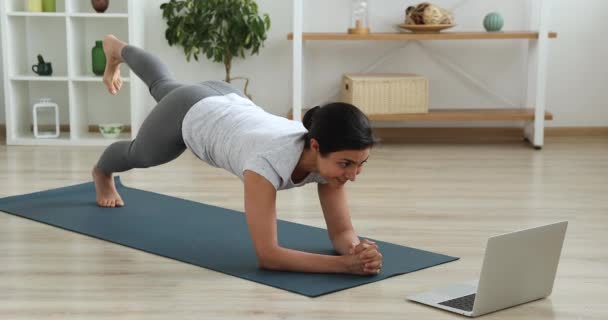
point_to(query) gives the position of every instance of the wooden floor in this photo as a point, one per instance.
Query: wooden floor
(448, 198)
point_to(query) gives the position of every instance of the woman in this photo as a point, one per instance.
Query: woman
(268, 153)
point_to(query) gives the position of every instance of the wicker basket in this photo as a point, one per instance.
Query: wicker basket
(386, 93)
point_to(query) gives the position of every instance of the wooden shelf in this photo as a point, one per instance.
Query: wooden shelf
(35, 14)
(463, 115)
(473, 35)
(459, 115)
(87, 78)
(38, 78)
(99, 15)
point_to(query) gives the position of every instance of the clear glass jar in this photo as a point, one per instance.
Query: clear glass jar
(359, 17)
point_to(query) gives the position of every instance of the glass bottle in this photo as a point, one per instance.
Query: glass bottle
(359, 17)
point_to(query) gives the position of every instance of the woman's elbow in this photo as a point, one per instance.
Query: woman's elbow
(266, 265)
(268, 260)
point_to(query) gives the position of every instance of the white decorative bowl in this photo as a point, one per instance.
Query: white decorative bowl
(111, 130)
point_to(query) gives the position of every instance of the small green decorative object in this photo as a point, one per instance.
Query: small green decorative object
(34, 5)
(111, 130)
(99, 58)
(493, 22)
(49, 5)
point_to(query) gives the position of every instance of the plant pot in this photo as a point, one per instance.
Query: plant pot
(100, 5)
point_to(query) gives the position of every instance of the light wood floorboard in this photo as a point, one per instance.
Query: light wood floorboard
(447, 198)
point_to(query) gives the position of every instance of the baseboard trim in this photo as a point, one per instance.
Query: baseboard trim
(413, 135)
(62, 128)
(576, 132)
(66, 128)
(480, 134)
(427, 134)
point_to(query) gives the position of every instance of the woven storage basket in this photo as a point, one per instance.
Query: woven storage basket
(386, 93)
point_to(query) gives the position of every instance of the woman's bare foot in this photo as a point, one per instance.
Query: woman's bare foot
(112, 48)
(107, 196)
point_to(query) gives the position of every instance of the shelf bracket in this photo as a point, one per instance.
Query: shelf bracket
(537, 71)
(297, 60)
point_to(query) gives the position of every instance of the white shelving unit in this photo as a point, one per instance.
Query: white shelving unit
(65, 38)
(533, 113)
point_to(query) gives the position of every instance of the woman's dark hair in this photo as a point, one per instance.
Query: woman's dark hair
(338, 126)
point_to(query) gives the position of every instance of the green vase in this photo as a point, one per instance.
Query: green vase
(49, 5)
(99, 58)
(493, 22)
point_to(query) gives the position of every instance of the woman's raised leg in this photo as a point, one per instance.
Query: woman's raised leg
(148, 67)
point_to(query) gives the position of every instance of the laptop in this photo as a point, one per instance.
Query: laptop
(518, 267)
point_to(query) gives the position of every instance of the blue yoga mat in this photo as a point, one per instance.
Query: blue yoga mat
(203, 235)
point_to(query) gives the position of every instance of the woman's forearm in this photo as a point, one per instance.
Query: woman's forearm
(343, 241)
(284, 259)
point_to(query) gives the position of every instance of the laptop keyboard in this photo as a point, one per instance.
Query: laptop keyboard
(463, 303)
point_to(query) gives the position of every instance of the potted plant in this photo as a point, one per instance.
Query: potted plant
(219, 29)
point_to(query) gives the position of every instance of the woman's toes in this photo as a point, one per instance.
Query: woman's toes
(110, 87)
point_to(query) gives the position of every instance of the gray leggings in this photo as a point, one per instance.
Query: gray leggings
(159, 140)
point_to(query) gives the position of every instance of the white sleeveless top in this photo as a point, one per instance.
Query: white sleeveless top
(233, 133)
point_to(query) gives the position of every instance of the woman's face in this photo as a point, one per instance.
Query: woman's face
(341, 166)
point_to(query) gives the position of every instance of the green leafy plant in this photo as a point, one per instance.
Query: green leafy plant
(220, 29)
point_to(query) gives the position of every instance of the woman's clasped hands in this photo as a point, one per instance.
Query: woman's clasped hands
(364, 258)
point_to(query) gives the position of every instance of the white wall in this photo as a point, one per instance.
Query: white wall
(578, 65)
(2, 108)
(577, 75)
